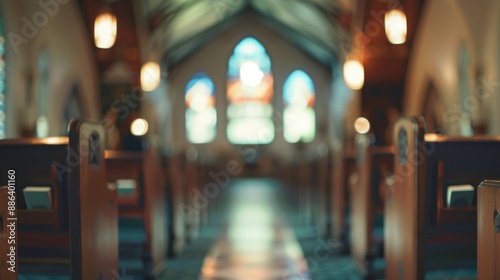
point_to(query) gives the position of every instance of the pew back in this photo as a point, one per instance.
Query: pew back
(179, 196)
(82, 224)
(344, 170)
(147, 200)
(419, 225)
(488, 231)
(373, 163)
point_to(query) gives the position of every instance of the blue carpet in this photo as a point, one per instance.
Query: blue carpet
(188, 265)
(322, 258)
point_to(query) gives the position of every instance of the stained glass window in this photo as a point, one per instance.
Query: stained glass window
(463, 80)
(201, 116)
(42, 123)
(249, 94)
(299, 117)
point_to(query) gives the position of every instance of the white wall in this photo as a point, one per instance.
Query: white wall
(444, 27)
(213, 59)
(63, 34)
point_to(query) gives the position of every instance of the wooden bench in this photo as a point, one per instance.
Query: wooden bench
(289, 177)
(344, 171)
(422, 234)
(321, 168)
(141, 198)
(304, 184)
(373, 164)
(488, 230)
(193, 188)
(177, 201)
(80, 231)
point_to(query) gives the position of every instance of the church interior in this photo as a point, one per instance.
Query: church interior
(249, 139)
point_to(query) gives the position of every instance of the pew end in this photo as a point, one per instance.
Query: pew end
(367, 201)
(422, 234)
(80, 231)
(142, 202)
(344, 176)
(488, 226)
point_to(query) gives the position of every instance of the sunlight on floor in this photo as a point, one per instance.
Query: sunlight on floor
(258, 244)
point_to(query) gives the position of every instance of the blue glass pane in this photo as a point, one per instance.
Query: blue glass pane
(248, 49)
(298, 83)
(201, 78)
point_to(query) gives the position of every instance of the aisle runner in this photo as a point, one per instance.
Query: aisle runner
(257, 243)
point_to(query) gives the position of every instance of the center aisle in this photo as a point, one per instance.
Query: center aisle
(256, 243)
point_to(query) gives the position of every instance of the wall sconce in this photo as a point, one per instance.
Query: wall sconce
(105, 27)
(395, 26)
(150, 76)
(354, 74)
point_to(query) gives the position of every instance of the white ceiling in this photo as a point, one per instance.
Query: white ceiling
(310, 23)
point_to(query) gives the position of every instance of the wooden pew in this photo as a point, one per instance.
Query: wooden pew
(5, 247)
(290, 177)
(142, 208)
(178, 197)
(321, 192)
(422, 234)
(203, 178)
(193, 188)
(373, 164)
(488, 230)
(344, 171)
(80, 231)
(304, 190)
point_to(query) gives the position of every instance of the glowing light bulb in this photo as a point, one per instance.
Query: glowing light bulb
(105, 30)
(361, 125)
(150, 76)
(139, 127)
(395, 26)
(354, 74)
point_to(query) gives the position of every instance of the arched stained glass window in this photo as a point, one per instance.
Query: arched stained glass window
(299, 117)
(2, 80)
(249, 94)
(201, 116)
(463, 87)
(42, 124)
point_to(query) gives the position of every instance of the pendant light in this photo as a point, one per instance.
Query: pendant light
(105, 27)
